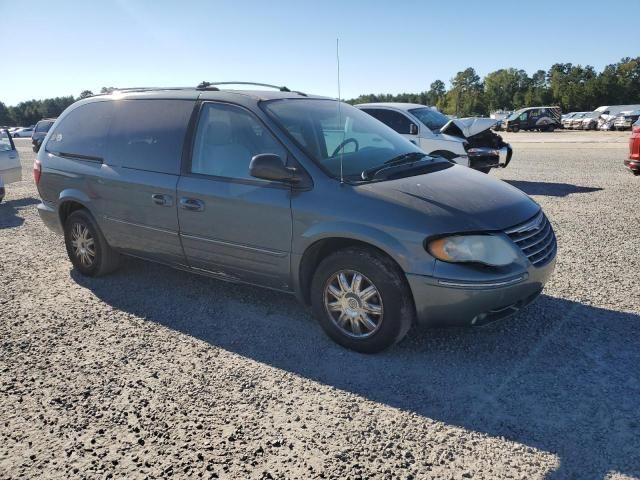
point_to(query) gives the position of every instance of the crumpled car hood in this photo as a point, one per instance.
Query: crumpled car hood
(468, 126)
(458, 199)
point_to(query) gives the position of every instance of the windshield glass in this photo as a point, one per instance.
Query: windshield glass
(515, 114)
(5, 141)
(433, 119)
(327, 136)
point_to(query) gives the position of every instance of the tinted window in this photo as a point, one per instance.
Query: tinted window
(392, 119)
(83, 132)
(43, 127)
(228, 137)
(149, 134)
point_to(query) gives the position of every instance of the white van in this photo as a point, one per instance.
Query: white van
(10, 168)
(466, 141)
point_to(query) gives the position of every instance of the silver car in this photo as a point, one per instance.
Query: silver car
(296, 193)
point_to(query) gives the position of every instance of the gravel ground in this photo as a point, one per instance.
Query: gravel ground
(152, 372)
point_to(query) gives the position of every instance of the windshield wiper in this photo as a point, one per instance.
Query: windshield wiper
(407, 158)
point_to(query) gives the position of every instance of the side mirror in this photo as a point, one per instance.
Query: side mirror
(269, 166)
(413, 129)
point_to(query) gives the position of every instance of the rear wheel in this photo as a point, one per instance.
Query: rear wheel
(361, 299)
(86, 246)
(515, 129)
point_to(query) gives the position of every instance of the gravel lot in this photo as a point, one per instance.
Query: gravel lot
(152, 372)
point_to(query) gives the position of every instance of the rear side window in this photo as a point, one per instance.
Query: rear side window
(395, 120)
(149, 134)
(43, 127)
(83, 132)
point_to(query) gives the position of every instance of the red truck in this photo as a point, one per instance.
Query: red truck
(633, 162)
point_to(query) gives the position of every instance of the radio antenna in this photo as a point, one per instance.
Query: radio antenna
(340, 109)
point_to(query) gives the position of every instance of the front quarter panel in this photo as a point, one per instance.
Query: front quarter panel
(339, 211)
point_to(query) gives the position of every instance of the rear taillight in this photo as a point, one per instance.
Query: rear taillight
(636, 129)
(37, 170)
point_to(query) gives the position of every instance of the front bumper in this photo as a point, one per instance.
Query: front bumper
(492, 161)
(49, 216)
(442, 302)
(633, 165)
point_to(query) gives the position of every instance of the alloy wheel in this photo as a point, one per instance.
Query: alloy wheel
(83, 244)
(353, 303)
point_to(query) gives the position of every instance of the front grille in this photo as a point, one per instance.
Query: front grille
(536, 239)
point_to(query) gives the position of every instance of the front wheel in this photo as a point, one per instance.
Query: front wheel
(362, 300)
(87, 248)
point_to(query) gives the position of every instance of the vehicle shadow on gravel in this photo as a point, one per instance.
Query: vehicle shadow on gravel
(562, 377)
(550, 189)
(9, 217)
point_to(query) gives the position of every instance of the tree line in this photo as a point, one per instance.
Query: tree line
(572, 87)
(29, 112)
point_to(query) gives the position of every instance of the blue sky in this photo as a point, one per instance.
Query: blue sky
(62, 47)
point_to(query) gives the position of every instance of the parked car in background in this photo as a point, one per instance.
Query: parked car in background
(543, 119)
(605, 122)
(633, 162)
(465, 141)
(590, 121)
(296, 193)
(40, 131)
(625, 120)
(10, 168)
(565, 118)
(575, 122)
(22, 132)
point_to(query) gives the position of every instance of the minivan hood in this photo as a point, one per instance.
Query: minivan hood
(468, 126)
(457, 199)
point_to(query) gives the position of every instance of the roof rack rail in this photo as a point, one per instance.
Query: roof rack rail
(201, 86)
(213, 86)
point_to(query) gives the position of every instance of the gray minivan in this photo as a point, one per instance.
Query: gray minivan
(296, 193)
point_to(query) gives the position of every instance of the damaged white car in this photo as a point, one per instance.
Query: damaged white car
(465, 141)
(10, 168)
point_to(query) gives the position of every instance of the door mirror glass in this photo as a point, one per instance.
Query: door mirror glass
(269, 166)
(413, 129)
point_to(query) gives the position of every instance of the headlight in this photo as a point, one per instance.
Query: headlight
(483, 152)
(489, 250)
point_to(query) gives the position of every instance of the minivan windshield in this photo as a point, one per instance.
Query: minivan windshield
(331, 132)
(432, 119)
(515, 114)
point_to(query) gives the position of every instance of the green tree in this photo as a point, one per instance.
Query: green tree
(505, 89)
(465, 97)
(86, 93)
(5, 116)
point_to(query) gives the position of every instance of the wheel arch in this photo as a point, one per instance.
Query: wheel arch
(70, 201)
(320, 249)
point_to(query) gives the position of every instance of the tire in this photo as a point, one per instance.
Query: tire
(515, 129)
(550, 128)
(391, 302)
(94, 257)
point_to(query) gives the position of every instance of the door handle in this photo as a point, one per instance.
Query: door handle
(163, 200)
(192, 204)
